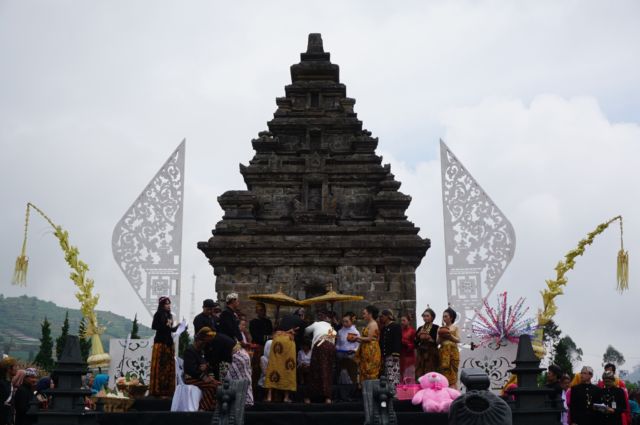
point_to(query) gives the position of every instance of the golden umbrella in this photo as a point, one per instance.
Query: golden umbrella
(331, 297)
(278, 299)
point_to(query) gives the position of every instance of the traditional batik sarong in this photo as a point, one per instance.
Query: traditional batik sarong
(323, 357)
(255, 365)
(208, 399)
(162, 382)
(427, 359)
(369, 358)
(281, 370)
(392, 370)
(240, 369)
(449, 361)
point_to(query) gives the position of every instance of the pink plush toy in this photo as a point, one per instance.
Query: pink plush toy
(435, 395)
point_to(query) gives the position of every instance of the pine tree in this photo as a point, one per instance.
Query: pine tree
(183, 342)
(44, 358)
(62, 339)
(134, 328)
(85, 343)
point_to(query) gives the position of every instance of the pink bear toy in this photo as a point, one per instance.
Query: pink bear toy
(435, 395)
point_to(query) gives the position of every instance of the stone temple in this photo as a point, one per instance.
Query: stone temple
(320, 208)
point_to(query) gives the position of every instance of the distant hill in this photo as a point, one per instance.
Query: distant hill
(22, 317)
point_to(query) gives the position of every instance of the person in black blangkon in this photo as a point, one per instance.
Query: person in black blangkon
(196, 368)
(205, 319)
(261, 330)
(554, 373)
(390, 347)
(581, 399)
(229, 325)
(613, 400)
(229, 321)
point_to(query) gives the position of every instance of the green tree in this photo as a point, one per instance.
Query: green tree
(550, 338)
(611, 355)
(44, 358)
(85, 343)
(134, 328)
(566, 354)
(62, 339)
(183, 342)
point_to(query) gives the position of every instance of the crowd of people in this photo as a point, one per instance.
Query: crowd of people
(19, 389)
(299, 356)
(584, 402)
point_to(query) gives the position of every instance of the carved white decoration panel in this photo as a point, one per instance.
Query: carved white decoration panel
(147, 241)
(494, 360)
(130, 355)
(479, 240)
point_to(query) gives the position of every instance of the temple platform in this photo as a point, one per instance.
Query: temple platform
(345, 413)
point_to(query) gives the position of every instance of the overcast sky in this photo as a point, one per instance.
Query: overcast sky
(540, 101)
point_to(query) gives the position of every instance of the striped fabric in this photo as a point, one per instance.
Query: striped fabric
(208, 400)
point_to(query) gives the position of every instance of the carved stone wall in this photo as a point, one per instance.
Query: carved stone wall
(319, 206)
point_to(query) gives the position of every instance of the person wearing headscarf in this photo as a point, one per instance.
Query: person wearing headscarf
(323, 357)
(427, 358)
(448, 338)
(8, 369)
(24, 396)
(99, 382)
(42, 387)
(162, 382)
(368, 355)
(196, 369)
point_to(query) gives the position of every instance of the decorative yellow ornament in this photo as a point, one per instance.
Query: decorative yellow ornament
(85, 296)
(554, 287)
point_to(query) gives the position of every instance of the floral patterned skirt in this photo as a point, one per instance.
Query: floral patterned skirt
(281, 369)
(449, 362)
(369, 360)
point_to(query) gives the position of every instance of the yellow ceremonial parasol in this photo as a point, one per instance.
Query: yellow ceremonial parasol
(278, 299)
(332, 297)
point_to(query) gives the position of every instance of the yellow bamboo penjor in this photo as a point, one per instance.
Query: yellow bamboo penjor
(554, 287)
(79, 269)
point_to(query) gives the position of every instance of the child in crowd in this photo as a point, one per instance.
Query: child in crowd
(304, 362)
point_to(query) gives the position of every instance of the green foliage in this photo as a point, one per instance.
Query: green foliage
(134, 328)
(611, 355)
(183, 342)
(85, 343)
(566, 354)
(550, 338)
(44, 358)
(60, 341)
